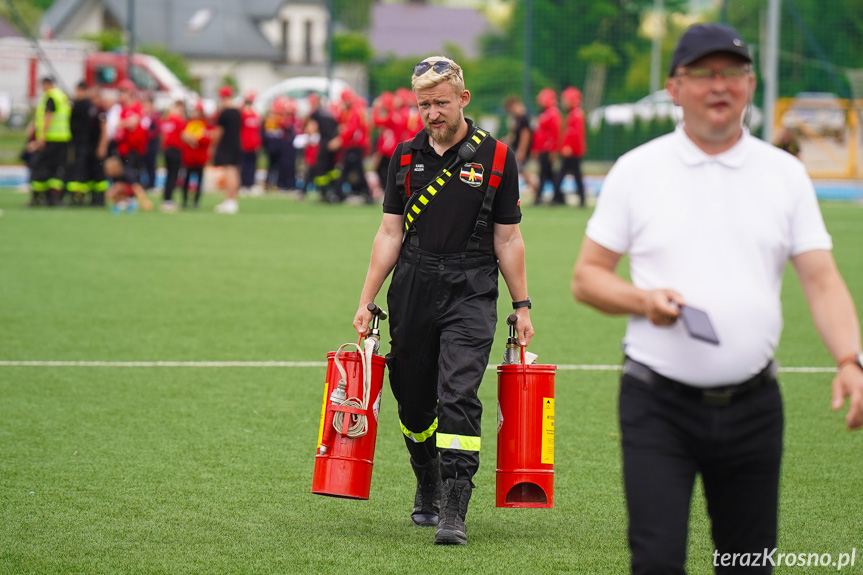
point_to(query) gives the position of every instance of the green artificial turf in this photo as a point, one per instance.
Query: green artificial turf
(208, 470)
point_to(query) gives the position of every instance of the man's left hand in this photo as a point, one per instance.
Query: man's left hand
(848, 383)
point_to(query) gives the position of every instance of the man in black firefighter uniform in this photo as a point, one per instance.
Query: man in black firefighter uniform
(451, 215)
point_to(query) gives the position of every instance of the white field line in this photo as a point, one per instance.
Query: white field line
(315, 364)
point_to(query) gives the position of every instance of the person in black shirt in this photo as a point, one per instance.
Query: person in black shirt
(83, 148)
(228, 151)
(520, 135)
(325, 173)
(443, 295)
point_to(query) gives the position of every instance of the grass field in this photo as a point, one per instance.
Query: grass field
(208, 470)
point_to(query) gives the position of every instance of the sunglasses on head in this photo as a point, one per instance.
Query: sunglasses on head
(440, 67)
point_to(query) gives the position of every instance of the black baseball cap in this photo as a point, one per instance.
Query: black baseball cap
(703, 39)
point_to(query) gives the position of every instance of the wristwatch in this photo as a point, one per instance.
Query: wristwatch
(857, 358)
(523, 303)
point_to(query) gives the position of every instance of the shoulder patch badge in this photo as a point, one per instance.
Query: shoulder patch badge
(471, 174)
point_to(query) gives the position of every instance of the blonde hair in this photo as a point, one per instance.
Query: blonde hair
(430, 78)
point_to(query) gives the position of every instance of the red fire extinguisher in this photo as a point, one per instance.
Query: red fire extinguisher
(349, 417)
(525, 436)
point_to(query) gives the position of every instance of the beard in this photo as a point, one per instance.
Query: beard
(445, 134)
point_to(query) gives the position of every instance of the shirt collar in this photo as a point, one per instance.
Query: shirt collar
(692, 155)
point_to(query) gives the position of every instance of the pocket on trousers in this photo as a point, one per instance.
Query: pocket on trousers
(633, 404)
(482, 282)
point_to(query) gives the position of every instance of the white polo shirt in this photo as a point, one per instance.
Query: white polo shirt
(718, 230)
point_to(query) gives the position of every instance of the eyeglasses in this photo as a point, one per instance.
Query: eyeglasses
(708, 74)
(440, 67)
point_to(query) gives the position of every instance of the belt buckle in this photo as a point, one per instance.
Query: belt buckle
(716, 398)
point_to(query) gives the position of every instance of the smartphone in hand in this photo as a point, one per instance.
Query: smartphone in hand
(698, 325)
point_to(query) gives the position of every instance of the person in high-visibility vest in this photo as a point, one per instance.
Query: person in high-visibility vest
(51, 136)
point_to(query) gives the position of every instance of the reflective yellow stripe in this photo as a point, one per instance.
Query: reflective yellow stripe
(447, 173)
(463, 442)
(481, 133)
(419, 437)
(415, 209)
(431, 190)
(476, 139)
(424, 200)
(410, 218)
(441, 181)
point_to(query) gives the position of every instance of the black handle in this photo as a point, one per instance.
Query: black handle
(377, 311)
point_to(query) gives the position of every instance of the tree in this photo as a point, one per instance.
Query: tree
(818, 41)
(571, 37)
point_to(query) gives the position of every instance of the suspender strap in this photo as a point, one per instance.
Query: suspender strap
(484, 216)
(417, 203)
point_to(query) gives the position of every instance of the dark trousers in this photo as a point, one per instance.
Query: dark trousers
(287, 179)
(274, 158)
(248, 167)
(353, 172)
(546, 174)
(172, 171)
(667, 439)
(572, 165)
(198, 172)
(442, 313)
(150, 157)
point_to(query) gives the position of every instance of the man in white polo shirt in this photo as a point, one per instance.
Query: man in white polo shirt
(709, 216)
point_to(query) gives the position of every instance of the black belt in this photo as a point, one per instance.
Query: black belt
(715, 396)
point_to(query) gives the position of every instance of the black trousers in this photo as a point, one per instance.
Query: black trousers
(572, 165)
(353, 172)
(198, 172)
(248, 167)
(667, 439)
(172, 171)
(442, 313)
(546, 174)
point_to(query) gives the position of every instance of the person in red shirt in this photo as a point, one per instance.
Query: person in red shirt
(545, 143)
(309, 141)
(385, 119)
(172, 143)
(195, 153)
(408, 114)
(353, 140)
(131, 137)
(250, 141)
(574, 142)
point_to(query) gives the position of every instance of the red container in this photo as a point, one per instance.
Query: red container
(525, 435)
(345, 469)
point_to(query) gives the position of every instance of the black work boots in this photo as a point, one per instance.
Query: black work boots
(450, 527)
(427, 500)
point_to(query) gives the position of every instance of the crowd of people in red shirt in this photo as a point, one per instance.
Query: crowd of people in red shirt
(326, 150)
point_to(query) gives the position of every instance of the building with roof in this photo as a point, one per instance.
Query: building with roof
(417, 28)
(257, 42)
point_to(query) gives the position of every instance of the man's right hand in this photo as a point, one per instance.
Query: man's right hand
(362, 319)
(662, 306)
